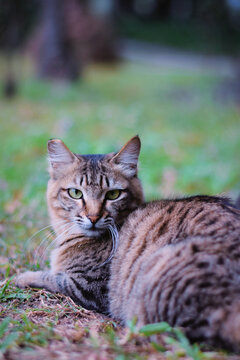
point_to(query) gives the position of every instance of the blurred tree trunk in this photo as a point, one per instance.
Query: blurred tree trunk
(9, 42)
(57, 58)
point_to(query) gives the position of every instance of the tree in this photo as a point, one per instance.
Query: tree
(16, 19)
(56, 58)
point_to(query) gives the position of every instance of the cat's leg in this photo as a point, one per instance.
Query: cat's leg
(60, 282)
(53, 282)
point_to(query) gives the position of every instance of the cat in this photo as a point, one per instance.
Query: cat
(89, 197)
(175, 260)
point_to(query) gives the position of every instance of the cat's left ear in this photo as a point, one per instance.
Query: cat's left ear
(127, 158)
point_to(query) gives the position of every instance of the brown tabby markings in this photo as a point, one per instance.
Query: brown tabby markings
(179, 261)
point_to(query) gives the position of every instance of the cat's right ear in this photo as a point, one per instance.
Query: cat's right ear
(59, 156)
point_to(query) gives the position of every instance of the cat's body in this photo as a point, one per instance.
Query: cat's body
(177, 260)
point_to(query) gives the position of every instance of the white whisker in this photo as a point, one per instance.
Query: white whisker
(55, 240)
(46, 238)
(44, 228)
(114, 235)
(60, 223)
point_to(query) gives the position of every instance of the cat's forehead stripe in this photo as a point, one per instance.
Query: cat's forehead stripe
(93, 172)
(93, 158)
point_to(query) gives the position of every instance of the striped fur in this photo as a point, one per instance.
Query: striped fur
(179, 261)
(86, 228)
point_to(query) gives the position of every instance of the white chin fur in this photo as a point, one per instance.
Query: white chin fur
(95, 232)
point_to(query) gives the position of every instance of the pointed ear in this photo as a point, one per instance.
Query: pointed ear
(127, 158)
(59, 156)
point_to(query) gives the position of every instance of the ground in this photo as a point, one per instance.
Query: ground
(190, 144)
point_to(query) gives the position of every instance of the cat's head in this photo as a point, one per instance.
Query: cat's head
(89, 193)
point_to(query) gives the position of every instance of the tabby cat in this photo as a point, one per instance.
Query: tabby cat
(89, 197)
(176, 260)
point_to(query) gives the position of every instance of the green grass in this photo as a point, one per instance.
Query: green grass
(181, 125)
(190, 144)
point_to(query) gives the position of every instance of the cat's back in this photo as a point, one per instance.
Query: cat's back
(163, 222)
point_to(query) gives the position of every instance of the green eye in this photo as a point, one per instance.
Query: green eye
(75, 193)
(113, 194)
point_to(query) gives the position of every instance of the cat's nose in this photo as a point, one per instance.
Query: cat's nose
(94, 218)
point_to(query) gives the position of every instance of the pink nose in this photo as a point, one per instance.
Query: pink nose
(93, 219)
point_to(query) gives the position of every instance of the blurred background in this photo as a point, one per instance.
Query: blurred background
(95, 73)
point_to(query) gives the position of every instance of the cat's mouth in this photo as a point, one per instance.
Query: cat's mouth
(93, 229)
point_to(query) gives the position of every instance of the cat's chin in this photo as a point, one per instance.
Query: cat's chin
(94, 232)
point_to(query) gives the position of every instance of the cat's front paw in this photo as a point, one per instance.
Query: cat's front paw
(28, 279)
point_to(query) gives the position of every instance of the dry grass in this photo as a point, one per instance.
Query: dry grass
(68, 330)
(51, 326)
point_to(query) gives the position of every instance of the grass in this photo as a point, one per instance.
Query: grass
(190, 144)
